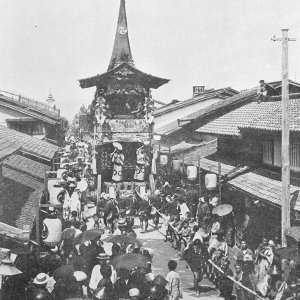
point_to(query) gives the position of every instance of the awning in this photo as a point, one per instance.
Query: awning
(254, 185)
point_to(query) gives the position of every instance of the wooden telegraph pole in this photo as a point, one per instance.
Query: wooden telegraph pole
(285, 140)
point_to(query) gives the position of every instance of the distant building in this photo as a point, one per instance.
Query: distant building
(27, 115)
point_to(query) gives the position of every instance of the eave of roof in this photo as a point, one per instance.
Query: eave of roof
(242, 97)
(22, 178)
(237, 99)
(29, 111)
(153, 81)
(265, 116)
(28, 143)
(26, 166)
(199, 98)
(253, 184)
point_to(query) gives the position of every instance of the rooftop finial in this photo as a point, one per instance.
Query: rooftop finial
(50, 98)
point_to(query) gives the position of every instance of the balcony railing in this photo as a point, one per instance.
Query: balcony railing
(26, 101)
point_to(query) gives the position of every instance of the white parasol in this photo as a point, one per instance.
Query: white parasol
(118, 146)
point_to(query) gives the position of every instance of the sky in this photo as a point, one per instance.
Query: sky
(51, 44)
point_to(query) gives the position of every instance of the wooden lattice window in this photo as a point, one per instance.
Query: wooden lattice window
(295, 153)
(268, 151)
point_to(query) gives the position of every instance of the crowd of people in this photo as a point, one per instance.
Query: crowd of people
(94, 258)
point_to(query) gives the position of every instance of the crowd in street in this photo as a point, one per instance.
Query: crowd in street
(100, 257)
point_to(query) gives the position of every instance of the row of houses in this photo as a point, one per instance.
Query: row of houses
(242, 135)
(24, 159)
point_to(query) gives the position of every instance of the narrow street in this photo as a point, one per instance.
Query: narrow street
(163, 253)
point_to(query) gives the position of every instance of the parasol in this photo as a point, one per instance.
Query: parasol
(68, 234)
(88, 235)
(159, 280)
(7, 268)
(82, 185)
(63, 272)
(118, 146)
(123, 239)
(150, 251)
(294, 233)
(222, 210)
(129, 261)
(289, 253)
(50, 262)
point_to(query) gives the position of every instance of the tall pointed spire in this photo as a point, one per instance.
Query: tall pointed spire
(121, 51)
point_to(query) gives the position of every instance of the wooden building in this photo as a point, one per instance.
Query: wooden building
(29, 116)
(249, 142)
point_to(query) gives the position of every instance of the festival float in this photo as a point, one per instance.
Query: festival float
(122, 116)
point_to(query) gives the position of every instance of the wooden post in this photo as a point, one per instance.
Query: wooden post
(37, 228)
(285, 155)
(285, 140)
(219, 179)
(99, 187)
(199, 170)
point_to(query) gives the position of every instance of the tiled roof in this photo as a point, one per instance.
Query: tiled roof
(21, 178)
(184, 146)
(26, 166)
(28, 211)
(27, 143)
(7, 148)
(12, 232)
(229, 123)
(243, 97)
(264, 116)
(272, 120)
(223, 93)
(206, 149)
(253, 184)
(15, 199)
(167, 129)
(265, 188)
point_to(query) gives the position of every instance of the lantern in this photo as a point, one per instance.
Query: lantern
(51, 233)
(176, 164)
(163, 159)
(55, 192)
(210, 181)
(191, 172)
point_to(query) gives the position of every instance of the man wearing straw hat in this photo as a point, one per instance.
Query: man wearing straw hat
(38, 290)
(96, 274)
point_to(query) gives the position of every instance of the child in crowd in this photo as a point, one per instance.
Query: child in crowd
(174, 282)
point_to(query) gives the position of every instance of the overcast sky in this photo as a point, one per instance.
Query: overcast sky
(219, 43)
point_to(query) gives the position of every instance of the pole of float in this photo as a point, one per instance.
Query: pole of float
(285, 139)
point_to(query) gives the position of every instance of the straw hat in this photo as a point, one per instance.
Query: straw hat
(134, 292)
(80, 276)
(121, 222)
(41, 278)
(103, 256)
(149, 277)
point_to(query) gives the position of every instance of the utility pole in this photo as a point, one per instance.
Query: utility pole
(285, 139)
